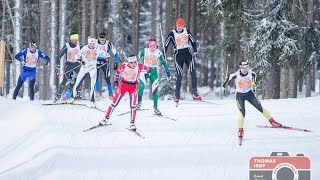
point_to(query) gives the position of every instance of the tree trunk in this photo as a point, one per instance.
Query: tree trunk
(154, 20)
(284, 83)
(43, 75)
(62, 33)
(53, 44)
(293, 70)
(84, 15)
(17, 34)
(93, 18)
(100, 15)
(135, 26)
(309, 75)
(272, 85)
(293, 82)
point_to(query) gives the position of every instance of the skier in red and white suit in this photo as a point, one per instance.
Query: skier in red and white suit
(127, 74)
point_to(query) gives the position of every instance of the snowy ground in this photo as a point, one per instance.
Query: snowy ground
(47, 142)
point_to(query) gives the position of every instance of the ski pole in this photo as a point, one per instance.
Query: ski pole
(164, 51)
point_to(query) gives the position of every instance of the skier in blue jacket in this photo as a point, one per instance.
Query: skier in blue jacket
(29, 58)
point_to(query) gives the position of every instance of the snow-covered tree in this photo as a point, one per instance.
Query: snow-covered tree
(272, 44)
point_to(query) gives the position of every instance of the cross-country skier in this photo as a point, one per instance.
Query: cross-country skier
(103, 62)
(72, 66)
(181, 39)
(150, 57)
(245, 79)
(127, 74)
(87, 57)
(29, 58)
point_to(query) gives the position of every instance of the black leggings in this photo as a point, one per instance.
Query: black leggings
(181, 58)
(251, 98)
(106, 70)
(31, 88)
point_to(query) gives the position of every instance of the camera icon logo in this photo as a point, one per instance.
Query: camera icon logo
(280, 166)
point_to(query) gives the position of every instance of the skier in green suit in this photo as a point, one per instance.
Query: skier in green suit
(150, 57)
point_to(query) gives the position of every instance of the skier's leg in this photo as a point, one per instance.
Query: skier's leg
(154, 84)
(93, 75)
(241, 107)
(31, 88)
(133, 102)
(117, 97)
(97, 86)
(192, 68)
(256, 103)
(179, 70)
(63, 83)
(106, 70)
(18, 86)
(80, 76)
(142, 84)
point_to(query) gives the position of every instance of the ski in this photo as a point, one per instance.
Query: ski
(166, 117)
(136, 133)
(127, 112)
(76, 104)
(96, 126)
(285, 127)
(57, 103)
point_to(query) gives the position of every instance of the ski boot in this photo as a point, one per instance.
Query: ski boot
(274, 123)
(156, 111)
(57, 98)
(104, 121)
(93, 104)
(71, 100)
(139, 105)
(111, 96)
(196, 96)
(132, 126)
(78, 96)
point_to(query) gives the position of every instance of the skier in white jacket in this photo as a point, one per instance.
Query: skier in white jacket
(87, 57)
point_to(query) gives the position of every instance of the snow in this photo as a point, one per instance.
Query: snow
(47, 142)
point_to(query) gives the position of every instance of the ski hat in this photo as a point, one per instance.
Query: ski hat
(180, 22)
(33, 43)
(244, 64)
(152, 42)
(132, 58)
(102, 34)
(74, 36)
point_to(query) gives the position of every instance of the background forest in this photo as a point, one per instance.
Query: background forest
(279, 38)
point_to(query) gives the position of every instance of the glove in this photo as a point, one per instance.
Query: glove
(254, 85)
(116, 84)
(81, 62)
(116, 65)
(195, 55)
(168, 75)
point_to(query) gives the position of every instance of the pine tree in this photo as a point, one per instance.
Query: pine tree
(167, 89)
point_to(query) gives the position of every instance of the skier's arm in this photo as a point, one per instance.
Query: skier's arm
(20, 56)
(164, 64)
(229, 78)
(114, 51)
(43, 56)
(141, 56)
(62, 52)
(167, 41)
(193, 41)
